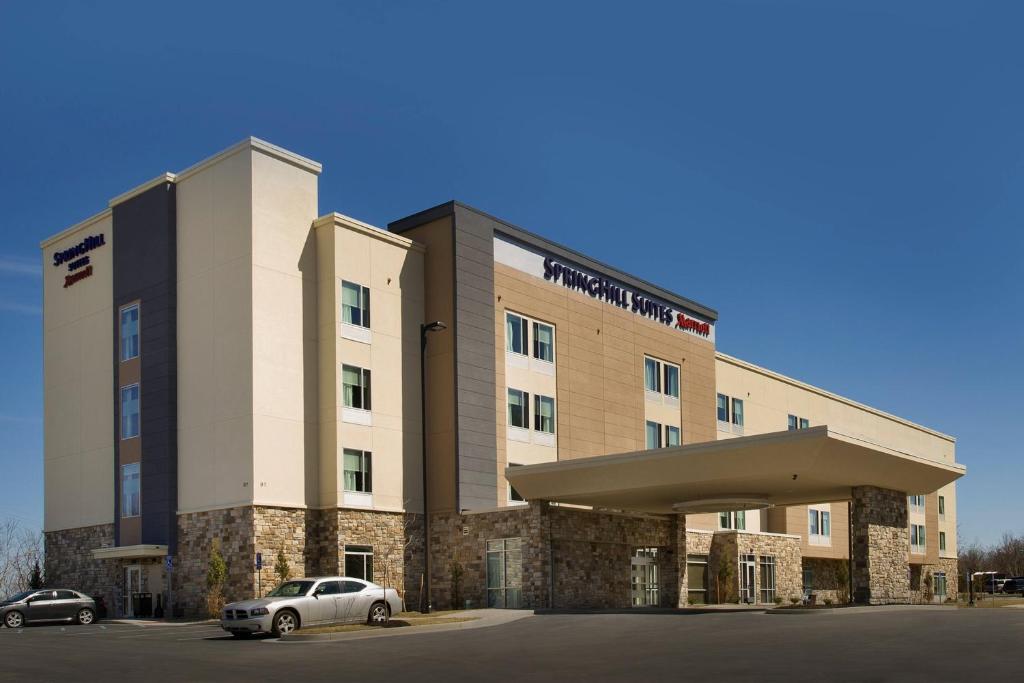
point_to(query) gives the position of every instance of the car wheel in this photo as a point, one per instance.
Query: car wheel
(285, 622)
(14, 620)
(85, 616)
(379, 614)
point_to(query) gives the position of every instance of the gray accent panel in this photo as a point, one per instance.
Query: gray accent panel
(145, 269)
(531, 239)
(475, 401)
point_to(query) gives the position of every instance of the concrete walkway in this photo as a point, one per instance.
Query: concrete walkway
(481, 618)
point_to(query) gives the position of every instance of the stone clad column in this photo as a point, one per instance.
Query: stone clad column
(880, 543)
(680, 541)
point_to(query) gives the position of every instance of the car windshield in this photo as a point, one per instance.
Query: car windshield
(18, 597)
(290, 589)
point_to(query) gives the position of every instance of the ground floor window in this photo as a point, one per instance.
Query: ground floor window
(505, 572)
(808, 582)
(746, 577)
(644, 577)
(939, 585)
(767, 579)
(697, 579)
(359, 562)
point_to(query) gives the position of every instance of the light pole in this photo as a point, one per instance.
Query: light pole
(435, 326)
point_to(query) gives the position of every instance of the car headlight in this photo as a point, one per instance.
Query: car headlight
(259, 612)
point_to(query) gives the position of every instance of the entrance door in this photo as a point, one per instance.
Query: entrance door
(643, 573)
(747, 586)
(132, 584)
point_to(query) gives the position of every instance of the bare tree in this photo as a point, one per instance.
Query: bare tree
(21, 549)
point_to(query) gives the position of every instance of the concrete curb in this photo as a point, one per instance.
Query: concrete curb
(150, 623)
(862, 609)
(654, 610)
(480, 620)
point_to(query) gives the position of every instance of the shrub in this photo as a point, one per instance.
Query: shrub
(281, 567)
(828, 602)
(456, 571)
(794, 600)
(778, 600)
(216, 576)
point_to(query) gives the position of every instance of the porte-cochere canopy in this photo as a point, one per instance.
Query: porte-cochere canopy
(781, 468)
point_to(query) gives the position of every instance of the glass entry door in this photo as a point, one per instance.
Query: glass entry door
(643, 576)
(747, 586)
(132, 584)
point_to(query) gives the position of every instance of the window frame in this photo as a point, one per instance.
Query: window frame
(535, 346)
(648, 424)
(665, 367)
(942, 541)
(733, 519)
(942, 507)
(138, 410)
(364, 386)
(537, 417)
(136, 305)
(366, 553)
(363, 297)
(740, 412)
(918, 533)
(719, 408)
(524, 403)
(678, 433)
(656, 374)
(524, 329)
(363, 475)
(130, 511)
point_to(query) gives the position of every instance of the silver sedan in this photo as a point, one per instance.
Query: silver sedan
(316, 601)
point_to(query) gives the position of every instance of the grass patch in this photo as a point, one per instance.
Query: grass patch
(393, 623)
(988, 601)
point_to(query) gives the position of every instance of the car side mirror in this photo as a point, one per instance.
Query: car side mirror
(316, 595)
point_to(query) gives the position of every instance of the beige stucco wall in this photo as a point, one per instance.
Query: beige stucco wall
(599, 352)
(78, 380)
(768, 400)
(392, 267)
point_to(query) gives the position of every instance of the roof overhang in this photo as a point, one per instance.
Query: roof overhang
(129, 552)
(782, 468)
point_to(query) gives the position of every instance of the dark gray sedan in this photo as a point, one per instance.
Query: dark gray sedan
(50, 604)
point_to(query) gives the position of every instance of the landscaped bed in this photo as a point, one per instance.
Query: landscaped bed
(401, 621)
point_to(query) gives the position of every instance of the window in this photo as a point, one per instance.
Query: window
(355, 304)
(130, 490)
(767, 579)
(653, 435)
(130, 411)
(942, 506)
(504, 572)
(671, 436)
(917, 503)
(355, 586)
(515, 334)
(917, 538)
(737, 412)
(652, 375)
(358, 563)
(518, 409)
(68, 595)
(355, 387)
(130, 332)
(804, 424)
(723, 408)
(544, 342)
(544, 414)
(358, 476)
(328, 588)
(733, 520)
(671, 380)
(819, 526)
(940, 587)
(697, 578)
(795, 422)
(942, 541)
(513, 495)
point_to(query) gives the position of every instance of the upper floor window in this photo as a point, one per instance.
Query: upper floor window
(515, 334)
(917, 537)
(544, 342)
(653, 435)
(661, 377)
(730, 410)
(130, 490)
(130, 332)
(917, 503)
(795, 422)
(942, 506)
(671, 436)
(942, 540)
(544, 414)
(355, 387)
(733, 520)
(518, 409)
(355, 304)
(130, 411)
(819, 522)
(358, 475)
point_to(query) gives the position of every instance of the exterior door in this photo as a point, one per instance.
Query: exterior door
(354, 604)
(747, 586)
(132, 584)
(643, 568)
(326, 602)
(42, 606)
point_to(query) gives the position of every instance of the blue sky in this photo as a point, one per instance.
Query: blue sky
(841, 180)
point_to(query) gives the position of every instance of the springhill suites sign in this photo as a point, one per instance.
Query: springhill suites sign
(600, 287)
(77, 258)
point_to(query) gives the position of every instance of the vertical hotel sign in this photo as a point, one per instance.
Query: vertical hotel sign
(77, 259)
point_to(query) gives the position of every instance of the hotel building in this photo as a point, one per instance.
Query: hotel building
(224, 365)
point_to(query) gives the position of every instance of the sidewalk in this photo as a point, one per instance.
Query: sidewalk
(481, 618)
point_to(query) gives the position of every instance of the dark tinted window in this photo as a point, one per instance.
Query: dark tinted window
(328, 588)
(67, 595)
(44, 596)
(352, 586)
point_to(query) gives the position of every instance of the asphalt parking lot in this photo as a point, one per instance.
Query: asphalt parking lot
(920, 645)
